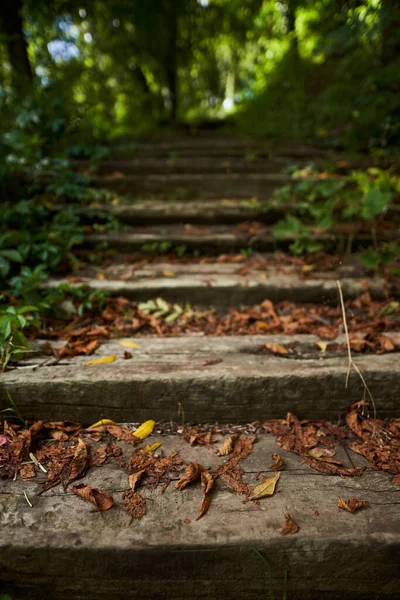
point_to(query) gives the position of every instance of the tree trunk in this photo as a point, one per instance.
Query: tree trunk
(290, 14)
(390, 19)
(11, 28)
(172, 62)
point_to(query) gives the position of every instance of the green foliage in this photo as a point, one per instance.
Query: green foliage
(314, 204)
(13, 320)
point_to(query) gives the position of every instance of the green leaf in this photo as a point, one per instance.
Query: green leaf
(370, 259)
(374, 202)
(12, 255)
(287, 228)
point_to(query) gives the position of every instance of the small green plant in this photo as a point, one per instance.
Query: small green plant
(12, 411)
(13, 343)
(270, 579)
(315, 202)
(159, 308)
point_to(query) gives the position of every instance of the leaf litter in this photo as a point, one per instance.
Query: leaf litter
(369, 321)
(65, 451)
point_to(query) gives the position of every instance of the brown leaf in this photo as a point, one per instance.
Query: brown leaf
(265, 488)
(79, 461)
(122, 434)
(278, 464)
(22, 444)
(98, 456)
(195, 435)
(28, 471)
(396, 479)
(133, 479)
(134, 504)
(277, 349)
(207, 480)
(332, 467)
(192, 473)
(352, 504)
(233, 479)
(101, 500)
(227, 445)
(289, 526)
(204, 506)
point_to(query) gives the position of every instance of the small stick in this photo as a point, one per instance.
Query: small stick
(352, 364)
(27, 499)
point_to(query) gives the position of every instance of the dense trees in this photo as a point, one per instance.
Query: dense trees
(125, 65)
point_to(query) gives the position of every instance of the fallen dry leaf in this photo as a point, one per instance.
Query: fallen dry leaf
(27, 471)
(352, 504)
(168, 273)
(79, 461)
(128, 344)
(101, 500)
(207, 480)
(144, 430)
(265, 488)
(134, 504)
(331, 466)
(101, 423)
(133, 479)
(289, 526)
(212, 361)
(396, 479)
(152, 448)
(278, 464)
(204, 506)
(276, 349)
(192, 472)
(101, 361)
(227, 445)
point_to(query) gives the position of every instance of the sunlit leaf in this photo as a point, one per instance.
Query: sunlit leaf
(101, 361)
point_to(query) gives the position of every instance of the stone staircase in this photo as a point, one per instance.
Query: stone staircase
(208, 194)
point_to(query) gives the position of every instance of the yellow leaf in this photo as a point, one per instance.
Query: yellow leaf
(322, 346)
(167, 273)
(226, 163)
(265, 488)
(144, 430)
(307, 268)
(100, 276)
(115, 202)
(101, 361)
(153, 447)
(261, 325)
(102, 422)
(128, 344)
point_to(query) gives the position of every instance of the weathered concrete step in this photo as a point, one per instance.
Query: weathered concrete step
(184, 186)
(223, 238)
(194, 164)
(212, 286)
(245, 385)
(60, 548)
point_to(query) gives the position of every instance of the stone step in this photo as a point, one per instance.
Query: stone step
(192, 164)
(223, 238)
(61, 548)
(192, 185)
(224, 211)
(246, 384)
(223, 286)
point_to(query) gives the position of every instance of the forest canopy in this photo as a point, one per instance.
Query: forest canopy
(305, 69)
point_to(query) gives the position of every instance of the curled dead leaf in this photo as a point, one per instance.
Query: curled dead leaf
(278, 464)
(79, 461)
(227, 445)
(144, 430)
(352, 504)
(204, 506)
(101, 500)
(133, 479)
(289, 526)
(207, 480)
(192, 473)
(265, 488)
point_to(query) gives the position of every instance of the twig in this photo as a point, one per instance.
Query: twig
(27, 499)
(352, 364)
